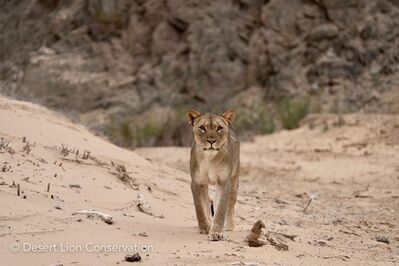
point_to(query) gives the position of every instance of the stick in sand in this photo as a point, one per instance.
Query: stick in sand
(312, 196)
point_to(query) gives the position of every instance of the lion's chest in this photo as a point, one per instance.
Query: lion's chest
(211, 172)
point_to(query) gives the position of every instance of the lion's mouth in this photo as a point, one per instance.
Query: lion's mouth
(211, 149)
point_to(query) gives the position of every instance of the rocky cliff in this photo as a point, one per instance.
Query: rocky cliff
(129, 69)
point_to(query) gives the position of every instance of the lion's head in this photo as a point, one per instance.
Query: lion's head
(210, 130)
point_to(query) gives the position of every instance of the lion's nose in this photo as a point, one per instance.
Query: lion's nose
(211, 141)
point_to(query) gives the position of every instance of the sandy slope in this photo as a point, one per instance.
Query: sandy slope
(353, 168)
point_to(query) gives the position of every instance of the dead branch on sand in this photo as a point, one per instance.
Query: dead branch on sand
(123, 175)
(277, 242)
(144, 207)
(106, 218)
(257, 239)
(291, 237)
(312, 196)
(253, 237)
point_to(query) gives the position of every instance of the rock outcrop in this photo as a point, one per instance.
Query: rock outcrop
(129, 69)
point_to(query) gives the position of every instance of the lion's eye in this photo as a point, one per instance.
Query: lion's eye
(220, 129)
(202, 128)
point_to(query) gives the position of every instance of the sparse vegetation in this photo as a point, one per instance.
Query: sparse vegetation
(27, 147)
(148, 130)
(119, 170)
(260, 120)
(267, 125)
(337, 108)
(292, 111)
(5, 145)
(64, 150)
(126, 133)
(131, 134)
(86, 155)
(110, 19)
(180, 112)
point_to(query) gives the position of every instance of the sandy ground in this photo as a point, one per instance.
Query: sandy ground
(350, 166)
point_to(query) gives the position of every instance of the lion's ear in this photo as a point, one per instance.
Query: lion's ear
(192, 115)
(229, 116)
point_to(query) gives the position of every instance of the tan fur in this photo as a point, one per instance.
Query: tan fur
(214, 161)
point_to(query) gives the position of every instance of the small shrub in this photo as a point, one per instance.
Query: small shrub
(180, 112)
(292, 111)
(267, 124)
(259, 120)
(132, 134)
(110, 19)
(148, 130)
(126, 133)
(244, 120)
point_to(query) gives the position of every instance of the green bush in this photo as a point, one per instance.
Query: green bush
(109, 19)
(292, 111)
(259, 120)
(131, 134)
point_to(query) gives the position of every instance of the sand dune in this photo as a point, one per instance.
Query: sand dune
(350, 165)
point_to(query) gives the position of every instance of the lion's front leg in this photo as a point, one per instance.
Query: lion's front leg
(229, 225)
(216, 232)
(200, 192)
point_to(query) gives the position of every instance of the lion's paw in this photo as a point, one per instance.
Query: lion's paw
(217, 236)
(204, 231)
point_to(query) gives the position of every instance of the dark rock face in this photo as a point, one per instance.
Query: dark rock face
(130, 68)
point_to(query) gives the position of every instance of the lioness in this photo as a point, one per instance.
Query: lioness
(214, 161)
